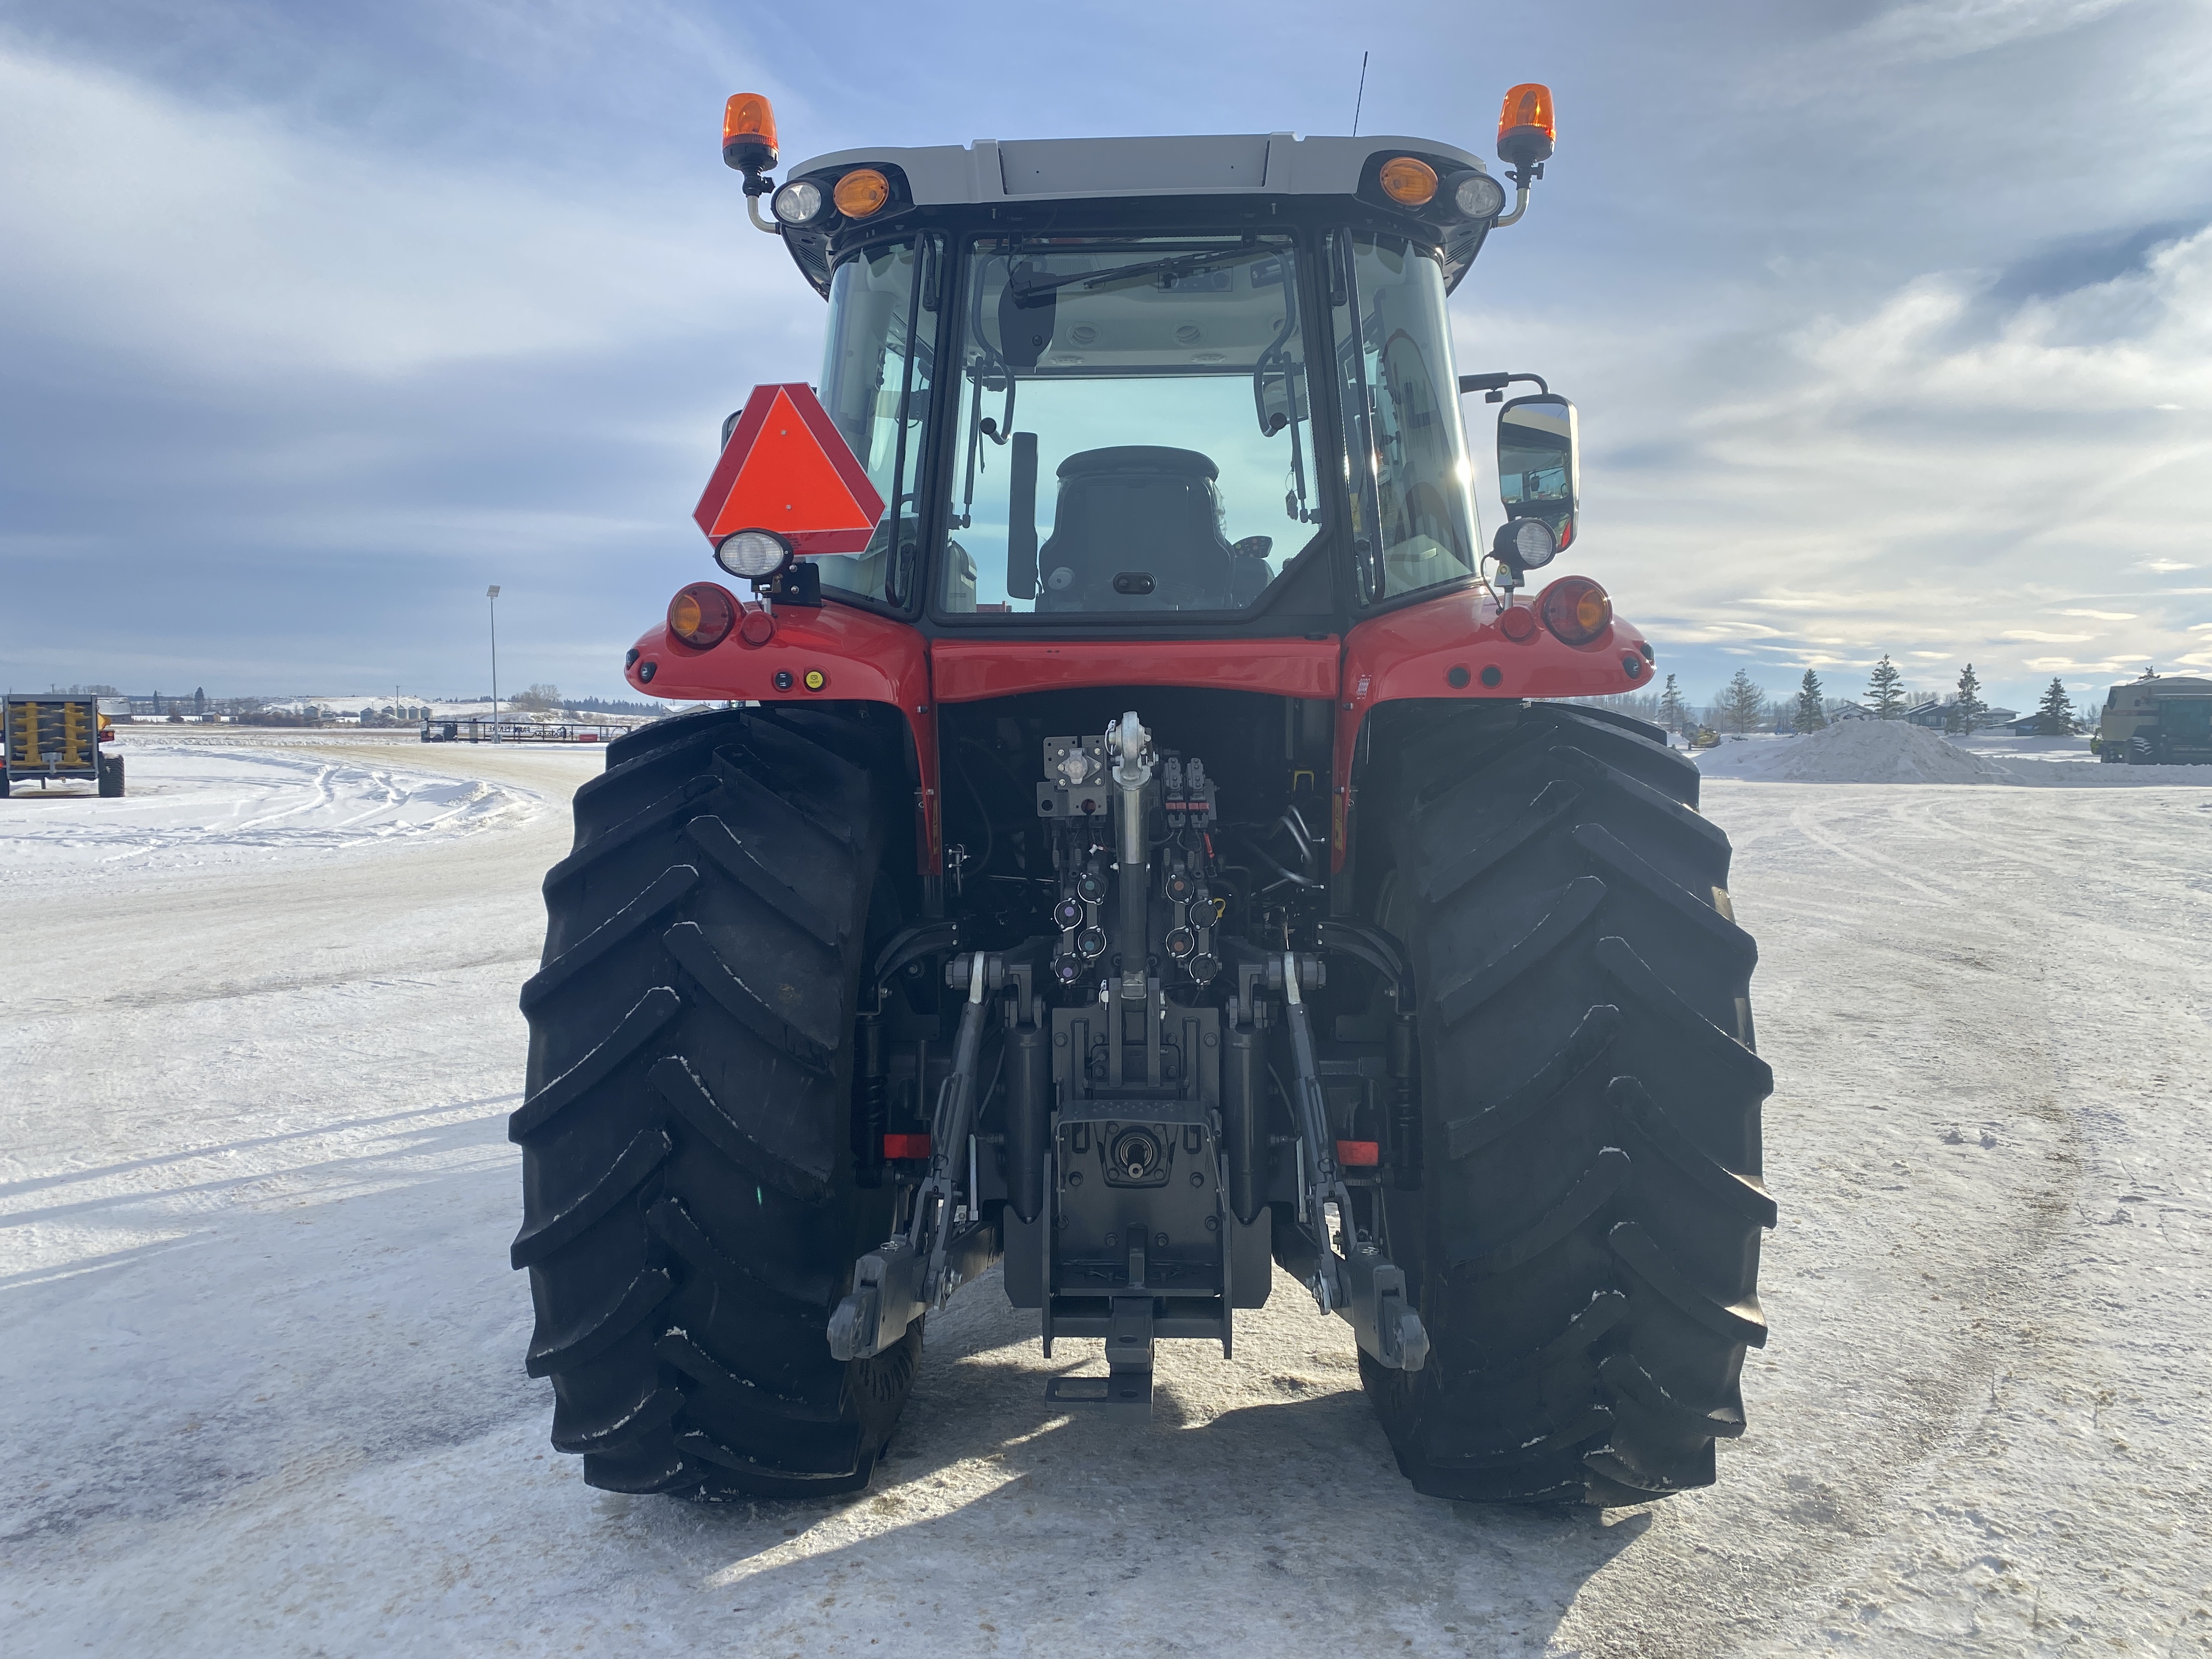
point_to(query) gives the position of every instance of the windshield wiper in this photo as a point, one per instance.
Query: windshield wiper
(1180, 264)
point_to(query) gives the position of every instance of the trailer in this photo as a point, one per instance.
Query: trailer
(56, 739)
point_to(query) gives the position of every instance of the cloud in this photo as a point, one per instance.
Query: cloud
(1934, 472)
(1931, 30)
(226, 243)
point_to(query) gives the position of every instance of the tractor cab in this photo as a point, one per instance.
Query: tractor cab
(1143, 388)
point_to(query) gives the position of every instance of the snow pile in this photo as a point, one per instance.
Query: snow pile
(190, 806)
(1855, 751)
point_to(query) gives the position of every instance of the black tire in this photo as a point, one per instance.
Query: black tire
(690, 1216)
(110, 774)
(1584, 1241)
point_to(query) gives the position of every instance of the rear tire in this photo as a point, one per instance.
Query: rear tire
(110, 774)
(1584, 1242)
(689, 1216)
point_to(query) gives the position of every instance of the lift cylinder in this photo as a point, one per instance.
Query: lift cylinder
(1405, 1104)
(870, 1111)
(1029, 1105)
(1243, 1075)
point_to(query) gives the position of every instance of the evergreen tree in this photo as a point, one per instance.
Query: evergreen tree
(1883, 696)
(1673, 713)
(1742, 703)
(1968, 712)
(2054, 715)
(1811, 716)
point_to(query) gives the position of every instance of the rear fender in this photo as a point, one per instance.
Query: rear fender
(1452, 649)
(861, 658)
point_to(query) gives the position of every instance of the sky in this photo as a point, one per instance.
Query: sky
(1890, 324)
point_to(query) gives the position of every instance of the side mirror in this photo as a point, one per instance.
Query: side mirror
(1539, 473)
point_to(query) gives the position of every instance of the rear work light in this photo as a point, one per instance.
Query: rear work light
(1408, 182)
(752, 554)
(1475, 195)
(799, 203)
(1576, 609)
(702, 615)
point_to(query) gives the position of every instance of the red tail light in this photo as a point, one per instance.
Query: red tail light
(906, 1146)
(1360, 1154)
(1576, 609)
(702, 615)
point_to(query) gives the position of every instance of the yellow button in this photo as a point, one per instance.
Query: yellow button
(816, 679)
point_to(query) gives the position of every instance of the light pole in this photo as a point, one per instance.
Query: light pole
(491, 597)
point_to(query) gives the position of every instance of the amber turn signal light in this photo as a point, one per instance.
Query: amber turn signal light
(702, 615)
(1526, 126)
(1408, 182)
(861, 192)
(1576, 609)
(749, 132)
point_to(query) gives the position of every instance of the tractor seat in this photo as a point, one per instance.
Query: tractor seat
(1145, 514)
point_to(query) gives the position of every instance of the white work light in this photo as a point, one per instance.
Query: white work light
(753, 553)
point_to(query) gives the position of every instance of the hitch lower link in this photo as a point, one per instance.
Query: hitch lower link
(1363, 1285)
(899, 1281)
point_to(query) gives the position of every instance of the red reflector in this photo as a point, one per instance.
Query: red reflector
(758, 627)
(1360, 1154)
(1518, 623)
(906, 1146)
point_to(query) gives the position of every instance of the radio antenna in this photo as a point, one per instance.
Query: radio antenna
(1362, 98)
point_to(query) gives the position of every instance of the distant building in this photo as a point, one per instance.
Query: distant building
(1849, 711)
(1936, 716)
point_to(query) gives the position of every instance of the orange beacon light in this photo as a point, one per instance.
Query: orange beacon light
(1526, 126)
(749, 132)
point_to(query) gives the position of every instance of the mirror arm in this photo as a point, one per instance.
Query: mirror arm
(1496, 383)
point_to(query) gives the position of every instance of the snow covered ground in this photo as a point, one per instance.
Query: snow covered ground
(262, 1392)
(197, 805)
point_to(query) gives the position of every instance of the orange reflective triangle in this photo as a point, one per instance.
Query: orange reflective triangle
(786, 468)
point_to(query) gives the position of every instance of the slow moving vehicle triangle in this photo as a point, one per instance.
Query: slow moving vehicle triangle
(786, 468)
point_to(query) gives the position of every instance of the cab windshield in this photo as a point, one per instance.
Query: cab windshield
(1134, 428)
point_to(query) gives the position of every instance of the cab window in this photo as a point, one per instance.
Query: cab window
(1404, 451)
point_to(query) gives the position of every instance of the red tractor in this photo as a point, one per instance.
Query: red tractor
(1133, 835)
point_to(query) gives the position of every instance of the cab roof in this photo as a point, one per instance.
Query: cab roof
(1074, 169)
(1039, 171)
